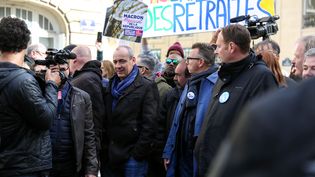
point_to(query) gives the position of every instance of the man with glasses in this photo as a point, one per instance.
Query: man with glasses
(189, 114)
(170, 64)
(35, 52)
(175, 54)
(242, 77)
(146, 65)
(72, 132)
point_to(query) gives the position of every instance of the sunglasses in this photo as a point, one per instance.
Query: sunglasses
(143, 67)
(169, 61)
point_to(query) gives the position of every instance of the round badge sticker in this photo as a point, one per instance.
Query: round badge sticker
(190, 95)
(224, 97)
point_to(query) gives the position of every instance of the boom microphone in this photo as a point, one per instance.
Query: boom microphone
(239, 18)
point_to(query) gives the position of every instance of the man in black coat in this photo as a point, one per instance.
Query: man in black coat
(26, 112)
(132, 110)
(242, 77)
(274, 137)
(87, 76)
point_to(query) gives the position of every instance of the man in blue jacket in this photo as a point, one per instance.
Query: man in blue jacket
(189, 113)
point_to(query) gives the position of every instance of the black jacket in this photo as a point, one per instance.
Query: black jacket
(274, 137)
(168, 107)
(80, 123)
(83, 131)
(238, 83)
(25, 118)
(89, 79)
(131, 125)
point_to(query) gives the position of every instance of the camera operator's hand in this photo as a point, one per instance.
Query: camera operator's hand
(53, 76)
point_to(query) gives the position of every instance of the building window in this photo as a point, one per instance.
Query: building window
(5, 11)
(44, 28)
(308, 13)
(157, 53)
(24, 14)
(44, 23)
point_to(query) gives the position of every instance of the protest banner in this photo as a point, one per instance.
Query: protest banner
(125, 20)
(173, 17)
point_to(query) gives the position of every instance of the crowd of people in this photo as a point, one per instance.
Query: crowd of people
(134, 116)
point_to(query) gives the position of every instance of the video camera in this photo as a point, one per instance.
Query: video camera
(259, 27)
(55, 57)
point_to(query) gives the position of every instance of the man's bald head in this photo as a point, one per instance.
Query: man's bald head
(83, 56)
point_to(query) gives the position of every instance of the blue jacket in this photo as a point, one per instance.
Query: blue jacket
(204, 98)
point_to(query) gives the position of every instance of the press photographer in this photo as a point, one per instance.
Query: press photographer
(54, 57)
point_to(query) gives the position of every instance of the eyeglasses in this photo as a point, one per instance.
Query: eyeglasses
(169, 61)
(143, 67)
(193, 58)
(40, 53)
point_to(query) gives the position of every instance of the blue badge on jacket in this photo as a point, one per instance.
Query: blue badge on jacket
(224, 97)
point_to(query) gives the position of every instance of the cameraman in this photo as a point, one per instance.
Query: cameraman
(25, 112)
(72, 132)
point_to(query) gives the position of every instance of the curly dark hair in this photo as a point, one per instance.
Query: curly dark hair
(14, 35)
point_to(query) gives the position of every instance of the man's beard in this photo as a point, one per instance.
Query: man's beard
(295, 77)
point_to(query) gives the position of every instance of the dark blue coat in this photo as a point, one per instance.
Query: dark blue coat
(204, 99)
(131, 125)
(238, 83)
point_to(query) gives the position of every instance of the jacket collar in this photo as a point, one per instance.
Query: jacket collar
(90, 66)
(205, 74)
(229, 71)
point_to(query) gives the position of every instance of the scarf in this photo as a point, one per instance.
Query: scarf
(118, 87)
(194, 84)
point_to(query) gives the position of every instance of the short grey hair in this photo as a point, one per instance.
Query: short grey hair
(36, 47)
(309, 53)
(130, 51)
(308, 42)
(148, 61)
